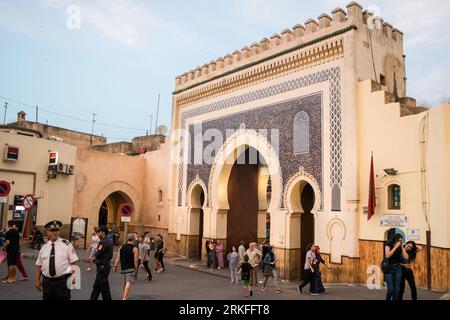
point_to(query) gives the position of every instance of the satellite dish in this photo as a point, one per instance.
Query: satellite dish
(161, 130)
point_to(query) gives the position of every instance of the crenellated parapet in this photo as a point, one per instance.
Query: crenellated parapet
(317, 38)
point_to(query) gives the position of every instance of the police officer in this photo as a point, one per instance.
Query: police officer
(102, 259)
(55, 263)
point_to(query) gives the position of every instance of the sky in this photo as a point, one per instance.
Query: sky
(126, 52)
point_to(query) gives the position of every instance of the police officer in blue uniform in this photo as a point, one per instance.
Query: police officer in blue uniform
(102, 259)
(55, 264)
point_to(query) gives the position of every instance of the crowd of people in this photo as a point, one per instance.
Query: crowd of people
(139, 251)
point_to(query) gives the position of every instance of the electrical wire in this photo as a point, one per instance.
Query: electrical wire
(68, 116)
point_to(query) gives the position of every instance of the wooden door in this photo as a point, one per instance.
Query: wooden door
(242, 218)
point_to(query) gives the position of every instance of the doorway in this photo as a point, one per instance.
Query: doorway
(242, 218)
(307, 200)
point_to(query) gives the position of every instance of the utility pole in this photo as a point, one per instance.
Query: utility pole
(93, 123)
(157, 113)
(37, 112)
(4, 117)
(151, 123)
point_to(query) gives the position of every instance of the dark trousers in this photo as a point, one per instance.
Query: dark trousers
(55, 289)
(407, 275)
(309, 278)
(210, 260)
(145, 264)
(161, 260)
(101, 284)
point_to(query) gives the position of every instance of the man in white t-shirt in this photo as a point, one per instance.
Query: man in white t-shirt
(254, 258)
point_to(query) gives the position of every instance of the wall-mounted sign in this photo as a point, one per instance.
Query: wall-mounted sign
(11, 153)
(5, 188)
(413, 234)
(395, 221)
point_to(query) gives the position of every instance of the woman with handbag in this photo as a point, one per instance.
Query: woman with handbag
(394, 252)
(269, 270)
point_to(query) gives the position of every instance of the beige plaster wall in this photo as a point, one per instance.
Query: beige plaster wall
(29, 175)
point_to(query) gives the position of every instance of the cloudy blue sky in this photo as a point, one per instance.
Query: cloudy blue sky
(128, 51)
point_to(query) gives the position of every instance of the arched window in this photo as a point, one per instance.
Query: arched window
(160, 196)
(394, 194)
(301, 133)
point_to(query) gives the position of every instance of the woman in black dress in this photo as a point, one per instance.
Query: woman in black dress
(407, 272)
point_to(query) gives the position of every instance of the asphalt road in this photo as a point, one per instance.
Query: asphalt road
(185, 284)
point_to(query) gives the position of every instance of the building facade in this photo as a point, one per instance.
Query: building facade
(298, 105)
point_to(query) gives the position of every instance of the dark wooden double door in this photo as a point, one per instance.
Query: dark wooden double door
(242, 217)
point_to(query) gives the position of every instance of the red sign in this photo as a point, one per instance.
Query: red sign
(53, 157)
(5, 188)
(126, 210)
(28, 202)
(12, 153)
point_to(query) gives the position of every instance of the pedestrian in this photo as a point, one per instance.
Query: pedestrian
(269, 270)
(159, 255)
(309, 271)
(128, 257)
(55, 264)
(143, 257)
(19, 260)
(12, 249)
(411, 249)
(213, 248)
(233, 260)
(136, 239)
(37, 239)
(210, 252)
(208, 260)
(265, 249)
(93, 247)
(219, 255)
(241, 251)
(254, 256)
(102, 259)
(147, 241)
(394, 252)
(245, 269)
(317, 277)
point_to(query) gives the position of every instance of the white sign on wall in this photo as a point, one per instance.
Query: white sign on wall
(125, 219)
(3, 199)
(394, 221)
(413, 234)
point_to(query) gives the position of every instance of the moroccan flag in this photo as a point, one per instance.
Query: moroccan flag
(371, 205)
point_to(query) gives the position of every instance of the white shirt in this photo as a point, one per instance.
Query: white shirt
(95, 242)
(64, 256)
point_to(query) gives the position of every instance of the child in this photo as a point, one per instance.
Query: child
(233, 258)
(245, 270)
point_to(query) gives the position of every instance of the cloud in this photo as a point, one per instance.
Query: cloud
(124, 22)
(432, 86)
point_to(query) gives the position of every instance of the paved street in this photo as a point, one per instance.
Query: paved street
(184, 280)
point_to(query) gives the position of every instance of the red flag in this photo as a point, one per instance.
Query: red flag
(371, 205)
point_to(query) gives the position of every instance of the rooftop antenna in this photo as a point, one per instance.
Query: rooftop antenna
(151, 122)
(4, 117)
(93, 123)
(157, 113)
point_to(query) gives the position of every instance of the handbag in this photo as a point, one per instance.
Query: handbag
(266, 271)
(2, 256)
(386, 266)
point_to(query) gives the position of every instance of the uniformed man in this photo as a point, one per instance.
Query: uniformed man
(55, 264)
(102, 259)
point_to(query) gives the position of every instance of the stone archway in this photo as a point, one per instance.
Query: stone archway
(114, 194)
(221, 170)
(197, 196)
(302, 200)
